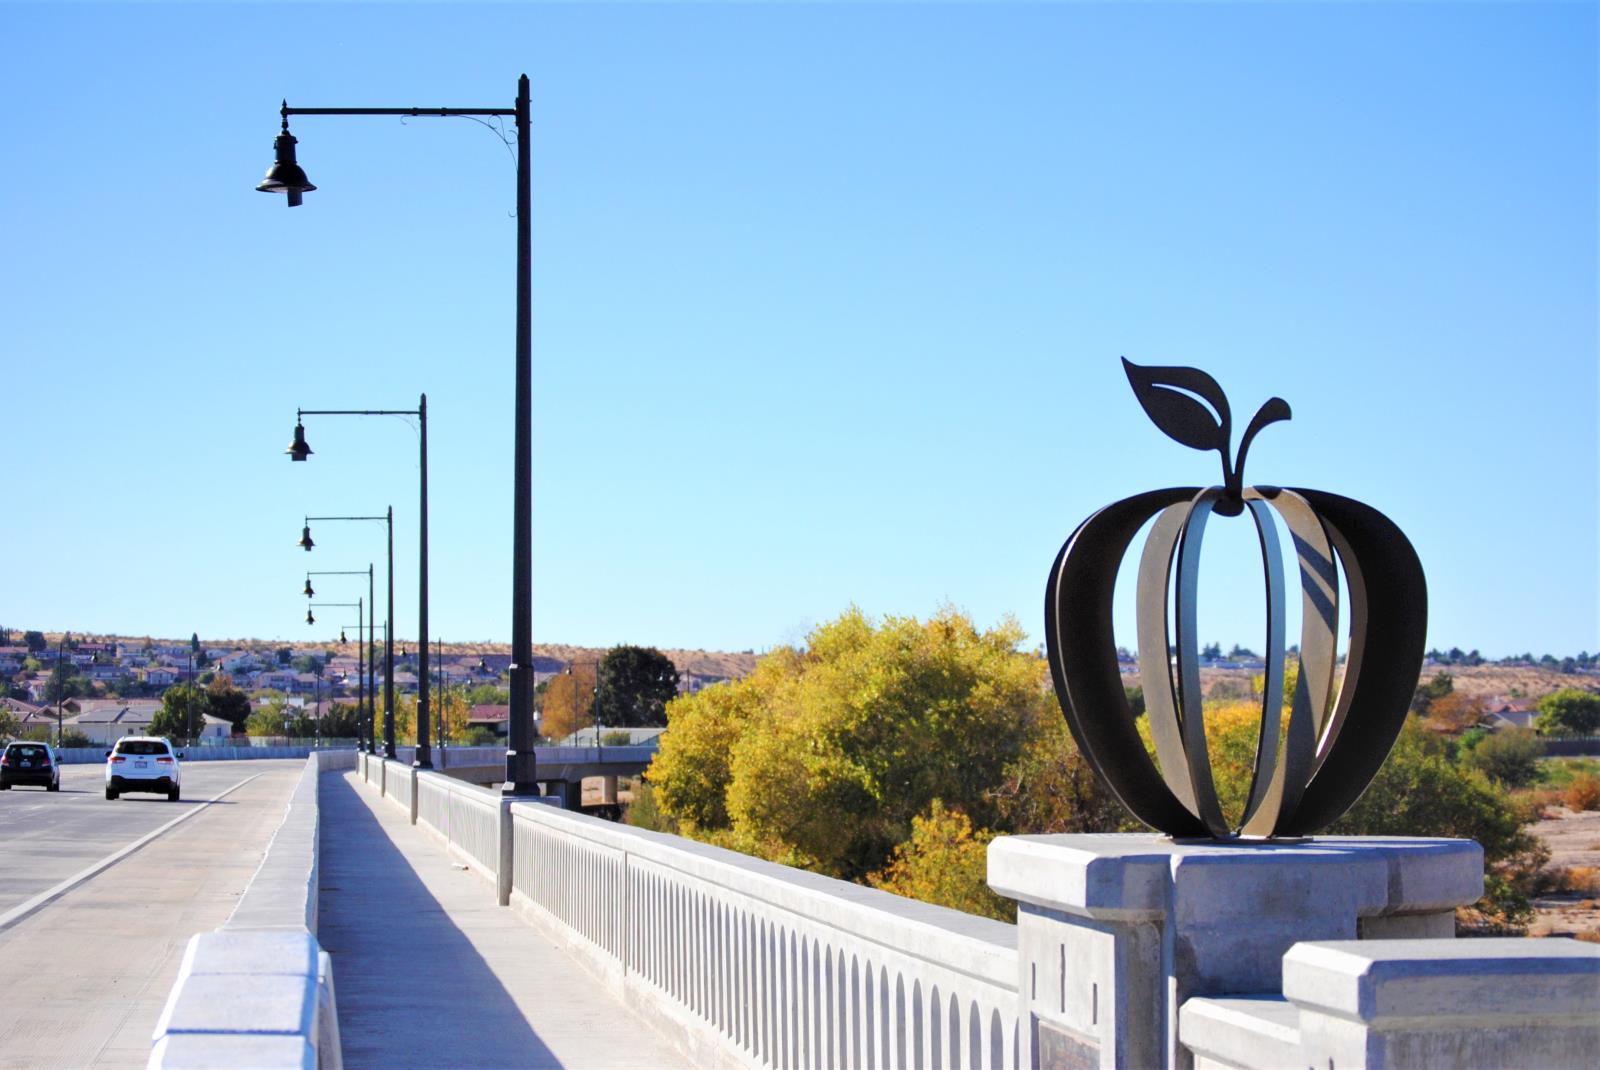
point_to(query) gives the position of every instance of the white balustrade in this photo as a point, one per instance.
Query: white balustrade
(784, 967)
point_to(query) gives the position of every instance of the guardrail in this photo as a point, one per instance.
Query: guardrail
(259, 991)
(742, 961)
(746, 961)
(230, 753)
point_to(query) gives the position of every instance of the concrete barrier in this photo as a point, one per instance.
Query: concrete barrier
(259, 991)
(96, 755)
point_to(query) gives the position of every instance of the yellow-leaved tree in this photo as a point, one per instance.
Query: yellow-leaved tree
(567, 699)
(825, 755)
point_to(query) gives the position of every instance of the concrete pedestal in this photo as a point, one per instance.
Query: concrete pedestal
(1116, 931)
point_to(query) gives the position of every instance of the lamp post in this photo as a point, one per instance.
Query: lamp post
(287, 177)
(444, 705)
(388, 632)
(298, 451)
(311, 620)
(61, 687)
(364, 683)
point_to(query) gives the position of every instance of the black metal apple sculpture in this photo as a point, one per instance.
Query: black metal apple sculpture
(1306, 773)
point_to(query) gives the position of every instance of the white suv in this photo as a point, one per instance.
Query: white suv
(142, 763)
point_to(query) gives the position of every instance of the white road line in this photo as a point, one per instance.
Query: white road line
(17, 913)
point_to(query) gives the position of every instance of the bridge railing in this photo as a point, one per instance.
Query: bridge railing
(749, 962)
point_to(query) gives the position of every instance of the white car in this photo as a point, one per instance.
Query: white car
(143, 763)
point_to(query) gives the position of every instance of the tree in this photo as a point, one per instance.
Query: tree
(1454, 713)
(835, 748)
(227, 702)
(1441, 685)
(62, 684)
(182, 714)
(1051, 788)
(194, 643)
(34, 641)
(1211, 650)
(1571, 711)
(308, 663)
(567, 700)
(945, 862)
(488, 695)
(634, 687)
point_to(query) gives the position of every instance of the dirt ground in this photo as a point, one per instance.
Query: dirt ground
(1574, 841)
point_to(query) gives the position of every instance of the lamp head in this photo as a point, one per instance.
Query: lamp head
(309, 618)
(298, 450)
(306, 544)
(285, 175)
(341, 637)
(308, 592)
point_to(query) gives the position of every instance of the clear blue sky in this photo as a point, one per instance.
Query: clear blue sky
(828, 304)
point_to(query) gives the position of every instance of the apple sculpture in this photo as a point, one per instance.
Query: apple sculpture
(1309, 769)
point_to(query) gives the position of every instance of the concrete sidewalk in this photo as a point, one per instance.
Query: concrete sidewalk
(430, 972)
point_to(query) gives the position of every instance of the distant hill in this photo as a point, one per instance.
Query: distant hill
(710, 663)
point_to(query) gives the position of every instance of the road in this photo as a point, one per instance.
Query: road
(86, 973)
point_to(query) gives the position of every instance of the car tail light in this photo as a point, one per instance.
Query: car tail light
(6, 760)
(168, 761)
(118, 758)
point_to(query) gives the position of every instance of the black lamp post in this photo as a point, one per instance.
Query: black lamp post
(364, 683)
(298, 451)
(286, 176)
(356, 605)
(388, 632)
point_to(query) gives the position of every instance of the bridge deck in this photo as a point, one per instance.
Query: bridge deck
(430, 972)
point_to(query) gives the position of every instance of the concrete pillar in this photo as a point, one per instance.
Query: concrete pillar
(570, 792)
(1115, 932)
(1470, 1005)
(608, 790)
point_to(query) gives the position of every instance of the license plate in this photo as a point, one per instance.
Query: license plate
(27, 763)
(141, 765)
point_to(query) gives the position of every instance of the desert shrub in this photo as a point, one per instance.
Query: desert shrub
(1420, 792)
(1583, 793)
(1510, 756)
(1558, 772)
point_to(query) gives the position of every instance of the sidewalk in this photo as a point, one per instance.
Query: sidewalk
(430, 972)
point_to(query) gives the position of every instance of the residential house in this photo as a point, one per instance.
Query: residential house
(493, 717)
(216, 729)
(1510, 715)
(159, 676)
(238, 662)
(12, 657)
(104, 723)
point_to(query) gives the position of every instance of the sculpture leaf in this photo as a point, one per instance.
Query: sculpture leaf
(1165, 394)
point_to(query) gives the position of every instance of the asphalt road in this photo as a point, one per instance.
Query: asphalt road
(86, 974)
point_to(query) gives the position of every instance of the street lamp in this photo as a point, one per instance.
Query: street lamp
(388, 632)
(287, 177)
(360, 680)
(366, 684)
(299, 450)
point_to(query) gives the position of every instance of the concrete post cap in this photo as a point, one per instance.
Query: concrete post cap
(1484, 979)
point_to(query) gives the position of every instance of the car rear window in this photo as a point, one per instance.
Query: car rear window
(35, 753)
(141, 746)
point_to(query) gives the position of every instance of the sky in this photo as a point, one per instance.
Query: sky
(828, 305)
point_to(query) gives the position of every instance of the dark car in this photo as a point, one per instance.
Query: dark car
(29, 763)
